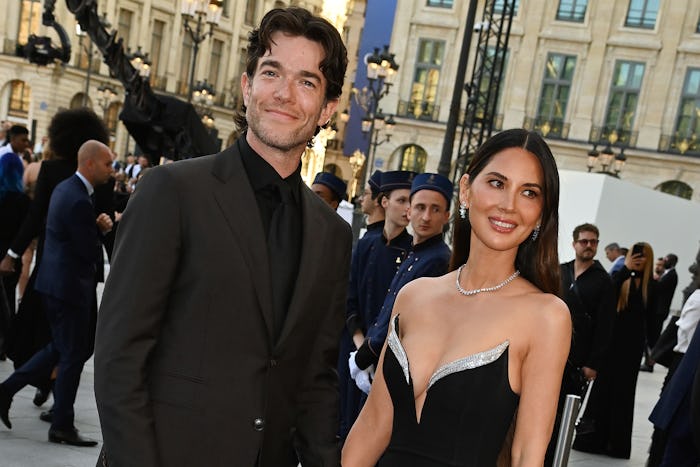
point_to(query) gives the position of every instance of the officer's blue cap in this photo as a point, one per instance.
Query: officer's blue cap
(375, 183)
(435, 182)
(396, 180)
(336, 185)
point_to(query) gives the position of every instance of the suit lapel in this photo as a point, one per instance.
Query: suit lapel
(236, 200)
(313, 238)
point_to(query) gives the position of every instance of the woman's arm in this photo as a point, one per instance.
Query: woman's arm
(541, 373)
(371, 432)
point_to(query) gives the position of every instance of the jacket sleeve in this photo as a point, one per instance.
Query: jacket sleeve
(317, 419)
(130, 318)
(352, 316)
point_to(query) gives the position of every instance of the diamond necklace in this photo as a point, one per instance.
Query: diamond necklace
(484, 289)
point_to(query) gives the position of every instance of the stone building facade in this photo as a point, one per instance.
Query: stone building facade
(30, 95)
(625, 72)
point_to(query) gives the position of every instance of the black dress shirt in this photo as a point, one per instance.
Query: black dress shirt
(270, 191)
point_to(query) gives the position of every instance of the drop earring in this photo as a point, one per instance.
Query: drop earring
(463, 211)
(535, 233)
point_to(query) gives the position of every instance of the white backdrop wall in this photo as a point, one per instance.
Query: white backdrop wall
(626, 213)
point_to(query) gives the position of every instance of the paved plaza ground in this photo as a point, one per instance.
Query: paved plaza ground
(26, 444)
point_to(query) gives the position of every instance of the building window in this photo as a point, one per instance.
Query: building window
(217, 52)
(572, 10)
(642, 14)
(112, 117)
(697, 28)
(499, 6)
(186, 60)
(493, 64)
(426, 76)
(556, 86)
(156, 41)
(20, 95)
(29, 20)
(688, 119)
(249, 18)
(124, 26)
(440, 3)
(624, 95)
(413, 158)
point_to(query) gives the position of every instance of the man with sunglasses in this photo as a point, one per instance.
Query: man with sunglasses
(588, 292)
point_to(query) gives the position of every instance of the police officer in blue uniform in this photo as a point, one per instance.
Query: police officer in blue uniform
(375, 260)
(429, 257)
(371, 204)
(329, 188)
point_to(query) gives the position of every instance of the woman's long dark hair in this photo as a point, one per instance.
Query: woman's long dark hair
(537, 261)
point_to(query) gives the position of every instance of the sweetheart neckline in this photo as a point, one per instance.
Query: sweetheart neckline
(491, 354)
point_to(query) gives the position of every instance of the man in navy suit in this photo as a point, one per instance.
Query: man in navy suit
(66, 281)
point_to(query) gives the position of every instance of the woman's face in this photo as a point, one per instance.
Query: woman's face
(505, 199)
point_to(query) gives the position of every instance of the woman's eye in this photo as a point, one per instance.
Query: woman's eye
(496, 183)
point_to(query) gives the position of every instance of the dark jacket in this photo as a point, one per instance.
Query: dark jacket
(591, 299)
(187, 370)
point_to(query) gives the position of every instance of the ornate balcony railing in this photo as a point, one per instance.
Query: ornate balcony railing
(419, 110)
(677, 144)
(549, 128)
(610, 136)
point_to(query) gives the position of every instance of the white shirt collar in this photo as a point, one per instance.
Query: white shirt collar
(87, 184)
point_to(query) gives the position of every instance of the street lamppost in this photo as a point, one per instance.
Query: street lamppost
(208, 11)
(203, 96)
(106, 94)
(606, 157)
(140, 61)
(381, 73)
(379, 123)
(89, 51)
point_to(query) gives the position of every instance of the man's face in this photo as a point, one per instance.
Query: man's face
(428, 214)
(660, 266)
(102, 167)
(20, 143)
(586, 246)
(612, 254)
(143, 161)
(368, 204)
(325, 194)
(396, 206)
(285, 99)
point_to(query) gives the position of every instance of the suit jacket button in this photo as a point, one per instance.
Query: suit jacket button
(258, 424)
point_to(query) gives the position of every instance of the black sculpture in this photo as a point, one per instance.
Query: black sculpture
(161, 125)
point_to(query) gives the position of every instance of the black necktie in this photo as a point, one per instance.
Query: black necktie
(282, 256)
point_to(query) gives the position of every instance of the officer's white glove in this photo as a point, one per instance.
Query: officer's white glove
(354, 369)
(363, 381)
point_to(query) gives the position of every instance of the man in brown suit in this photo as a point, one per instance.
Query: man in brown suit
(225, 355)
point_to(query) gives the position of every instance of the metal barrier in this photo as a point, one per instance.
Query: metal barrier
(566, 430)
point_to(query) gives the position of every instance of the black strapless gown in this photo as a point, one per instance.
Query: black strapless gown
(466, 415)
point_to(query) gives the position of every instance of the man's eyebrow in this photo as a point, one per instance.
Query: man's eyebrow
(278, 66)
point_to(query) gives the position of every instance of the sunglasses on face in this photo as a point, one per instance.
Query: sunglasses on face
(587, 241)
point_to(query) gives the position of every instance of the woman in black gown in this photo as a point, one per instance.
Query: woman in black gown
(482, 349)
(14, 204)
(611, 405)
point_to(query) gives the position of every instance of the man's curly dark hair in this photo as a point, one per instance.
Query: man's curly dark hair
(69, 129)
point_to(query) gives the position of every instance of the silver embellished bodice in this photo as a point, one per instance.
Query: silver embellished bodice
(467, 411)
